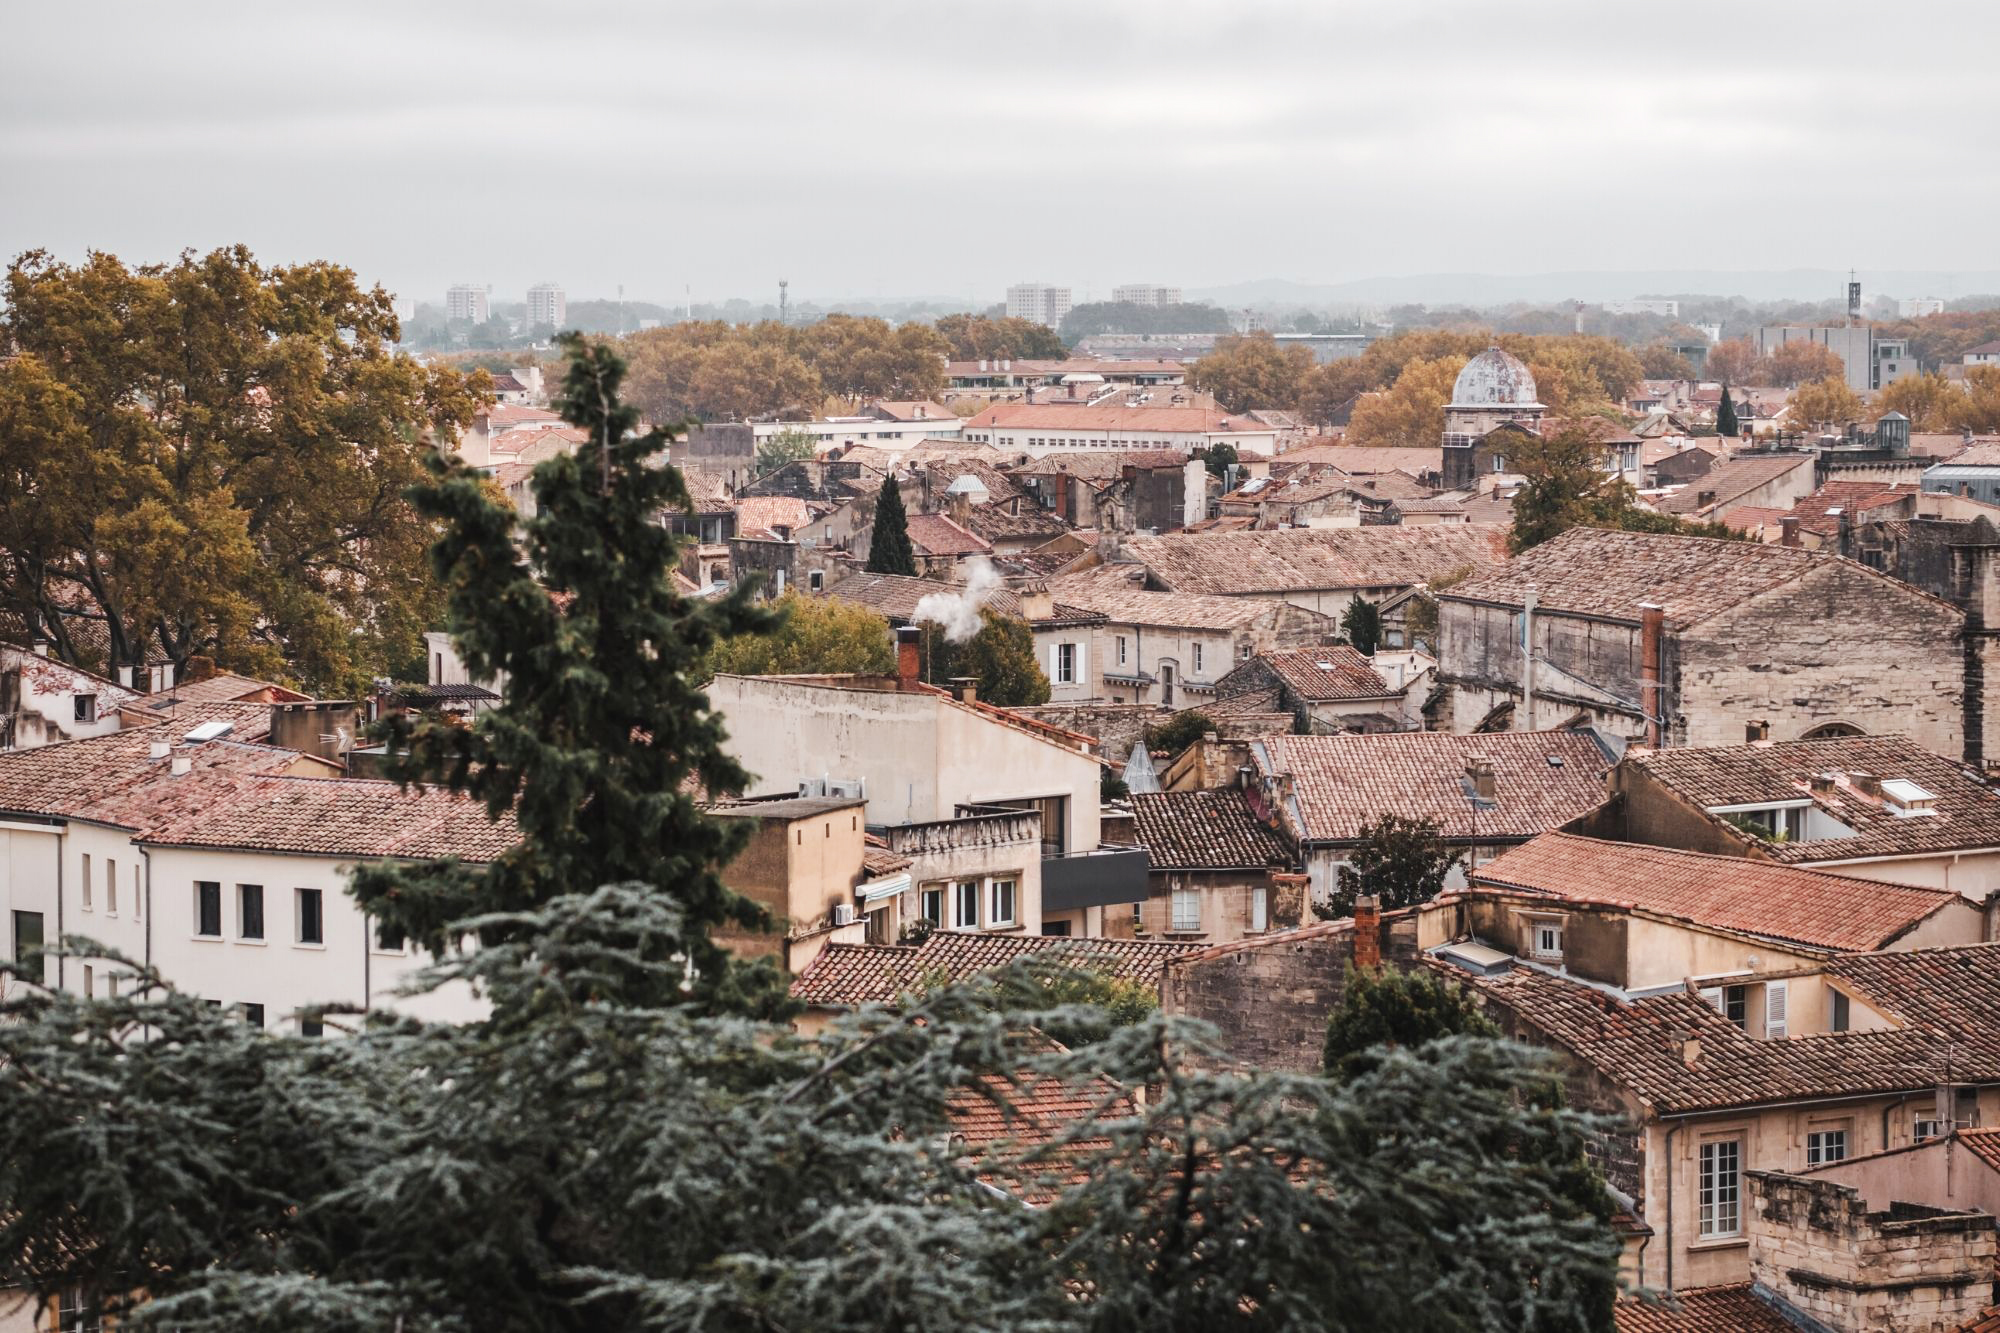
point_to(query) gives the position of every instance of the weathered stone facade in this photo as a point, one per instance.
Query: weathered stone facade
(1814, 1245)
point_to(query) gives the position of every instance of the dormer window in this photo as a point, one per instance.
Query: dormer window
(86, 707)
(1906, 799)
(1776, 821)
(1545, 940)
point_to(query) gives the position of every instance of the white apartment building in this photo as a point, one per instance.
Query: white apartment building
(43, 700)
(466, 301)
(548, 305)
(1644, 306)
(221, 862)
(1917, 307)
(1049, 428)
(1034, 301)
(876, 431)
(1140, 293)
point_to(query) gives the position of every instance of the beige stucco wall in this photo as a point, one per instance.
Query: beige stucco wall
(1974, 873)
(1939, 1174)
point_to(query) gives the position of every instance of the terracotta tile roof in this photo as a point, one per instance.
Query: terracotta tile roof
(862, 973)
(1737, 477)
(1639, 1045)
(1654, 451)
(1967, 811)
(1352, 458)
(1732, 1309)
(1327, 675)
(226, 687)
(1205, 830)
(67, 780)
(1987, 1322)
(1108, 590)
(1433, 504)
(1854, 499)
(335, 817)
(533, 446)
(944, 471)
(505, 415)
(896, 595)
(767, 513)
(176, 717)
(934, 534)
(1342, 782)
(1101, 466)
(1605, 573)
(1779, 902)
(1983, 1144)
(1129, 420)
(1017, 1125)
(917, 409)
(1305, 559)
(1753, 518)
(992, 523)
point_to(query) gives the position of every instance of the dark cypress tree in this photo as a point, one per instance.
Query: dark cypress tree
(603, 725)
(889, 551)
(1725, 415)
(1363, 626)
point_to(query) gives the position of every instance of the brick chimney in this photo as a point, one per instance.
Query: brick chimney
(1479, 775)
(1868, 784)
(1367, 931)
(1652, 688)
(908, 665)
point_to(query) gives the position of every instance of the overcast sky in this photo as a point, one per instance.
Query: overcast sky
(941, 148)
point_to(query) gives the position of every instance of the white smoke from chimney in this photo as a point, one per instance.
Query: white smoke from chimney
(957, 613)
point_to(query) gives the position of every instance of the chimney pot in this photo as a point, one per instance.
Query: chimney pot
(181, 765)
(967, 688)
(159, 750)
(1367, 931)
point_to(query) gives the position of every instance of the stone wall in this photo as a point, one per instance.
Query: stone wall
(1117, 727)
(1814, 1244)
(1837, 645)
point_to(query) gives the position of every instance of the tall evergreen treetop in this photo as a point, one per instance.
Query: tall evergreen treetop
(1725, 415)
(604, 730)
(889, 551)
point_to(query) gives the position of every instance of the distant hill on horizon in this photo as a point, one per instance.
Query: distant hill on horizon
(1489, 289)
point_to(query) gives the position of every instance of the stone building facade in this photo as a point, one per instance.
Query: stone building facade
(1495, 389)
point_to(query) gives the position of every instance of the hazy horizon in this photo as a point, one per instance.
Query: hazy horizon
(888, 151)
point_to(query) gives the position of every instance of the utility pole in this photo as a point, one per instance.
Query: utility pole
(1528, 661)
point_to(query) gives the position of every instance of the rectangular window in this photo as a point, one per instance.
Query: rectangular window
(208, 909)
(1000, 902)
(89, 981)
(311, 1027)
(28, 942)
(253, 1014)
(387, 938)
(934, 906)
(250, 911)
(77, 1314)
(86, 708)
(83, 882)
(1840, 1018)
(1121, 650)
(111, 886)
(1776, 1022)
(965, 905)
(1187, 909)
(1736, 1005)
(1926, 1128)
(1548, 939)
(311, 915)
(1260, 909)
(1065, 664)
(1721, 1183)
(1826, 1145)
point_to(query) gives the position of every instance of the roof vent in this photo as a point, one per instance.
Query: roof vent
(1555, 761)
(1867, 784)
(159, 750)
(181, 765)
(210, 731)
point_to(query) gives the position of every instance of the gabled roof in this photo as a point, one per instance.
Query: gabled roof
(1107, 589)
(1966, 812)
(1736, 1308)
(1542, 780)
(1354, 458)
(1594, 571)
(1307, 559)
(1736, 893)
(846, 974)
(935, 534)
(1731, 480)
(226, 687)
(1327, 675)
(1205, 830)
(896, 595)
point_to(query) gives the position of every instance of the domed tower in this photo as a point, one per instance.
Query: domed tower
(1495, 388)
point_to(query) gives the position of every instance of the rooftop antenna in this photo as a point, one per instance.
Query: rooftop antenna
(784, 301)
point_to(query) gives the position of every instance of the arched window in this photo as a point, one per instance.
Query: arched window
(1828, 730)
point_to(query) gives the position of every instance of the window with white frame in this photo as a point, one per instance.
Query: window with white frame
(1197, 655)
(1260, 908)
(933, 905)
(110, 886)
(1121, 650)
(965, 905)
(1000, 902)
(1545, 939)
(1720, 1188)
(1065, 664)
(1187, 909)
(1826, 1145)
(84, 882)
(1926, 1128)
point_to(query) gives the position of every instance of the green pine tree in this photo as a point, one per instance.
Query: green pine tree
(604, 730)
(1725, 415)
(889, 550)
(1362, 624)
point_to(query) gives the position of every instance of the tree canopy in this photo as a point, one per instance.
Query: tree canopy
(814, 636)
(889, 549)
(1401, 861)
(1362, 624)
(1000, 657)
(982, 338)
(720, 371)
(1384, 1009)
(1565, 486)
(1253, 372)
(1825, 404)
(210, 458)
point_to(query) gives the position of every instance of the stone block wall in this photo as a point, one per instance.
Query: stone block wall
(1814, 1244)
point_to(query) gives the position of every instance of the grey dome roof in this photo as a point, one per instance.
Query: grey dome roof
(1494, 379)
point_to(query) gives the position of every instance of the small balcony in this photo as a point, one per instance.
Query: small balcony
(1107, 877)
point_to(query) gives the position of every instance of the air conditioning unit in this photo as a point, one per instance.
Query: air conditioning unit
(843, 914)
(852, 788)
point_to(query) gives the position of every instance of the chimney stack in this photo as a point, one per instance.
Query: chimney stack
(1754, 732)
(1788, 528)
(180, 765)
(1652, 637)
(907, 657)
(1367, 931)
(1705, 499)
(159, 750)
(1479, 773)
(1821, 783)
(1868, 784)
(966, 688)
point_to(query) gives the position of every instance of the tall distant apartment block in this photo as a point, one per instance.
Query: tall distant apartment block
(466, 302)
(1141, 293)
(547, 305)
(1033, 301)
